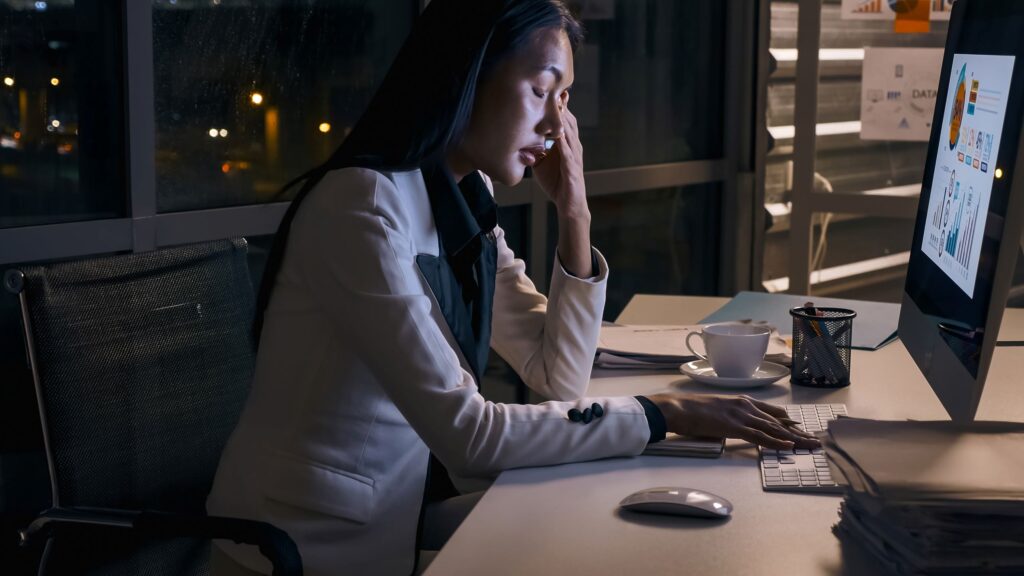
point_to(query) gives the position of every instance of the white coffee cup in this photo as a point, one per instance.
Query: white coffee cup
(734, 350)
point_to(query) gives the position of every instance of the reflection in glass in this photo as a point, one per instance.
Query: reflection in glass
(61, 112)
(864, 257)
(649, 82)
(251, 94)
(663, 241)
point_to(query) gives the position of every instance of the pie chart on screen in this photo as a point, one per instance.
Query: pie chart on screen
(958, 108)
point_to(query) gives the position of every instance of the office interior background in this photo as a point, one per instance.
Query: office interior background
(132, 125)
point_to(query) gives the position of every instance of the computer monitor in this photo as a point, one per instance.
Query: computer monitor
(969, 218)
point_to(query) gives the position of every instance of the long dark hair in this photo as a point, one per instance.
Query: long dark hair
(424, 103)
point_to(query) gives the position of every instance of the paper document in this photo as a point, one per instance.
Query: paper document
(650, 340)
(664, 346)
(874, 327)
(898, 94)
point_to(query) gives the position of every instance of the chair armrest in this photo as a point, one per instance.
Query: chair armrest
(273, 543)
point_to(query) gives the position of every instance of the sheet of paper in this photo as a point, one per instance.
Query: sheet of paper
(874, 326)
(882, 9)
(898, 93)
(647, 340)
(669, 341)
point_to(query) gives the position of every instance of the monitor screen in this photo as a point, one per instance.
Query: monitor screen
(968, 222)
(964, 165)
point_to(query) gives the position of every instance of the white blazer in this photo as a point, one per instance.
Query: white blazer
(358, 378)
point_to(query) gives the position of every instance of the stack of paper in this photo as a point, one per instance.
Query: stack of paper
(661, 347)
(932, 497)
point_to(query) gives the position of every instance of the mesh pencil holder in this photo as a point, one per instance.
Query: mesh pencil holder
(822, 338)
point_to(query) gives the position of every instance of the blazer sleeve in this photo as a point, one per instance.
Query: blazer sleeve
(361, 271)
(549, 342)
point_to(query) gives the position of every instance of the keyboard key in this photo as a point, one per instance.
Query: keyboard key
(801, 470)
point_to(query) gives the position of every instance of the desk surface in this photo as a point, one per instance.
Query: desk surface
(564, 519)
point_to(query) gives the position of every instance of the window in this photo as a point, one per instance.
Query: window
(649, 81)
(661, 241)
(61, 112)
(249, 95)
(858, 254)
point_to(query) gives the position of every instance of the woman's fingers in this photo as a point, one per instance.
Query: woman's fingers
(774, 410)
(778, 431)
(783, 423)
(711, 415)
(570, 134)
(755, 417)
(758, 437)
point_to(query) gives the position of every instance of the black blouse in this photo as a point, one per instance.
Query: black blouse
(462, 276)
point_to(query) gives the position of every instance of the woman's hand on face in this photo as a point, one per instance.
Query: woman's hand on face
(732, 417)
(560, 173)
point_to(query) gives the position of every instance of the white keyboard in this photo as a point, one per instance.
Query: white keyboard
(802, 470)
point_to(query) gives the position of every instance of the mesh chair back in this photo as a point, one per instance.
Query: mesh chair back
(144, 362)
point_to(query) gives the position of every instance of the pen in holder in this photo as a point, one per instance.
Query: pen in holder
(822, 338)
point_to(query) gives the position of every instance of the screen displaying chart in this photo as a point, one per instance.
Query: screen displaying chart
(972, 126)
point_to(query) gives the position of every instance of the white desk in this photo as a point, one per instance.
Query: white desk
(564, 519)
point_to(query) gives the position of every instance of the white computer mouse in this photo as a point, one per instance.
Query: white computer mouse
(678, 501)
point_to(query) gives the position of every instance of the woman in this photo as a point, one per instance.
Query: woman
(391, 280)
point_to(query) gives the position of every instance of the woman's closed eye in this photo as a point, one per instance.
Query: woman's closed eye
(539, 93)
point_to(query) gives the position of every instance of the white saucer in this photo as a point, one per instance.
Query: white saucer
(701, 371)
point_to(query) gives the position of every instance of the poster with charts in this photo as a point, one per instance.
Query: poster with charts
(898, 91)
(883, 9)
(972, 126)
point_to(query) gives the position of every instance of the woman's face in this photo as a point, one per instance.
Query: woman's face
(517, 107)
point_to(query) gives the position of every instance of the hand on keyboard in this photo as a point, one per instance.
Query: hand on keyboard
(801, 470)
(732, 417)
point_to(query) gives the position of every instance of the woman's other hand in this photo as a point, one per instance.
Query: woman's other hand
(732, 417)
(560, 172)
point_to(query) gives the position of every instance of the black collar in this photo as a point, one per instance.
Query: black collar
(461, 211)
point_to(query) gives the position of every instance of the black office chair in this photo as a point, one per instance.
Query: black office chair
(142, 364)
